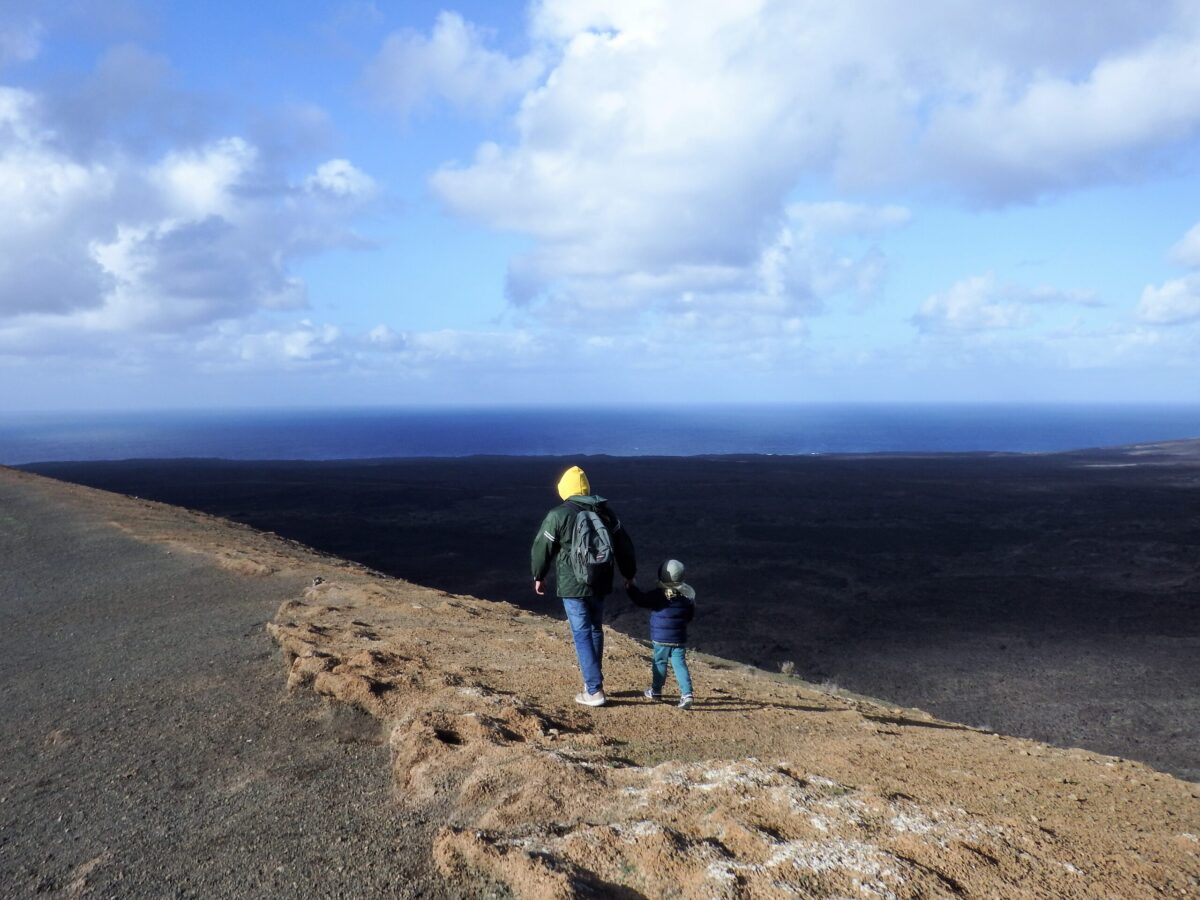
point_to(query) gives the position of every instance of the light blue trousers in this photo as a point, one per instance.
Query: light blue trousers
(678, 658)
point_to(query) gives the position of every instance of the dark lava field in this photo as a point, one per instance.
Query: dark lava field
(1049, 596)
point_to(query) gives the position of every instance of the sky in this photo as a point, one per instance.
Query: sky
(568, 202)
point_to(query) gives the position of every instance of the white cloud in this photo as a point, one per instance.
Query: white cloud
(451, 64)
(1176, 301)
(662, 151)
(302, 342)
(515, 349)
(1053, 130)
(1062, 296)
(1173, 303)
(853, 218)
(340, 179)
(50, 204)
(256, 345)
(40, 185)
(385, 337)
(982, 303)
(201, 182)
(796, 269)
(974, 304)
(179, 273)
(1186, 251)
(203, 233)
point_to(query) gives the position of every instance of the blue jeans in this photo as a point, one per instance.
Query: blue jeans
(586, 616)
(658, 668)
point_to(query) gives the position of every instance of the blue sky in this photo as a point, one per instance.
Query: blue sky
(343, 204)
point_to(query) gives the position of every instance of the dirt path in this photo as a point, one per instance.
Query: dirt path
(149, 747)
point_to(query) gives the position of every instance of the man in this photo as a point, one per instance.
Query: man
(583, 602)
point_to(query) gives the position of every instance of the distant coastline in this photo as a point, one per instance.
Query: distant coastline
(795, 430)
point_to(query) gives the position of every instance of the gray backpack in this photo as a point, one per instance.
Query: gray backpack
(591, 549)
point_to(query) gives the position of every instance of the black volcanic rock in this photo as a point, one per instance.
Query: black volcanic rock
(1052, 596)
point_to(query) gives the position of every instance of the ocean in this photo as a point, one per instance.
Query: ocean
(681, 431)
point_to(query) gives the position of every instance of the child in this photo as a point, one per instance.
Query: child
(673, 604)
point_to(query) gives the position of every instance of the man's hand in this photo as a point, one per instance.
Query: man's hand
(539, 588)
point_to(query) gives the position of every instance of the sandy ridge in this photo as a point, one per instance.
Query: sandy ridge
(770, 787)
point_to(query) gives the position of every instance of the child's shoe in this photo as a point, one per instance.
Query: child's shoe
(685, 702)
(596, 699)
(649, 694)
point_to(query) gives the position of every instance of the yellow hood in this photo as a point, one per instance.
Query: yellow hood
(573, 483)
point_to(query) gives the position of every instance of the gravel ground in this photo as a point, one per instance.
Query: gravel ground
(149, 746)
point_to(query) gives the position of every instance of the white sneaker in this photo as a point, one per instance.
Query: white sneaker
(596, 699)
(649, 694)
(685, 702)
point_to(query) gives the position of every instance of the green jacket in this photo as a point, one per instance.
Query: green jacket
(553, 544)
